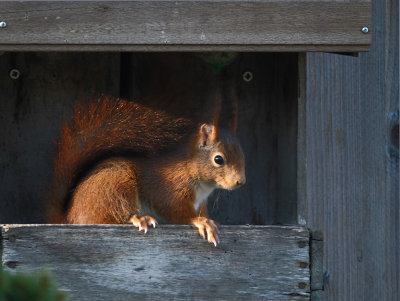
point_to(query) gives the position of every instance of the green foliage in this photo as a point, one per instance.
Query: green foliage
(30, 287)
(218, 60)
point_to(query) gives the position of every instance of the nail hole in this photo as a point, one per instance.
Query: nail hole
(15, 73)
(12, 264)
(302, 244)
(247, 76)
(302, 264)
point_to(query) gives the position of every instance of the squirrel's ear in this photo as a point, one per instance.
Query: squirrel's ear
(207, 135)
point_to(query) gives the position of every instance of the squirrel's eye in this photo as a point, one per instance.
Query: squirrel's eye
(219, 160)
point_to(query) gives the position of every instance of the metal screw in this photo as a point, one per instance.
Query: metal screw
(3, 24)
(247, 76)
(15, 73)
(365, 29)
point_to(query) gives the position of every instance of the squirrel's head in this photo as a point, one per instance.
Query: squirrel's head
(220, 157)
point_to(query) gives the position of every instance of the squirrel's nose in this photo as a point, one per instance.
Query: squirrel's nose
(240, 182)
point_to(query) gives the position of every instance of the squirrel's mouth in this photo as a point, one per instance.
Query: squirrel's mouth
(231, 186)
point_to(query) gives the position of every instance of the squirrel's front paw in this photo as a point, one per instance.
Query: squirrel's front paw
(142, 222)
(207, 227)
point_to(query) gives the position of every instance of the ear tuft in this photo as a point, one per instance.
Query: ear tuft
(207, 135)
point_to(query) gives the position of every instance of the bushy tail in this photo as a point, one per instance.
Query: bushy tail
(102, 128)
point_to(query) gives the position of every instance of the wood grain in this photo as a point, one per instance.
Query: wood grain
(286, 25)
(109, 262)
(352, 163)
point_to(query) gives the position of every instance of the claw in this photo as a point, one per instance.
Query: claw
(207, 227)
(211, 238)
(143, 228)
(202, 233)
(150, 221)
(135, 221)
(142, 222)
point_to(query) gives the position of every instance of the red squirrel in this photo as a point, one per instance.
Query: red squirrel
(120, 162)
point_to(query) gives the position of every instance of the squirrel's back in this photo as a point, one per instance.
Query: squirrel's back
(107, 127)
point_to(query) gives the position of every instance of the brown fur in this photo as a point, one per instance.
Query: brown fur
(162, 186)
(105, 127)
(128, 176)
(106, 195)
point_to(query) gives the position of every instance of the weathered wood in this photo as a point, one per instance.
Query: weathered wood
(316, 260)
(352, 163)
(285, 25)
(110, 262)
(317, 295)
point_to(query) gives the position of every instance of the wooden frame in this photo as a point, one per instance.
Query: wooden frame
(186, 25)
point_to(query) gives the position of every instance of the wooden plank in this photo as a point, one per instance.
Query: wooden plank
(116, 262)
(352, 163)
(186, 25)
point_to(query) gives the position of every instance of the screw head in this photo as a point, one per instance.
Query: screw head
(365, 29)
(247, 76)
(3, 24)
(15, 73)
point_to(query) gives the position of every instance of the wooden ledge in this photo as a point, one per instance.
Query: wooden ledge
(186, 25)
(116, 262)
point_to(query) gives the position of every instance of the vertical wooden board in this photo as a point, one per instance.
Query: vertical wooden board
(286, 83)
(352, 163)
(267, 124)
(32, 109)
